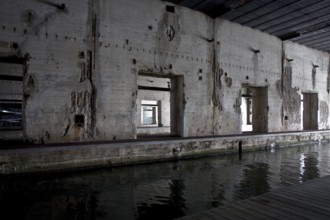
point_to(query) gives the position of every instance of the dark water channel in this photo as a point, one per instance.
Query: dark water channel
(160, 191)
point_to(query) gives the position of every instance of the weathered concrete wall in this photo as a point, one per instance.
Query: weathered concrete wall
(305, 70)
(81, 63)
(245, 56)
(54, 40)
(151, 40)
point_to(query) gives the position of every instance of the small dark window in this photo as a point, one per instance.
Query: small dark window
(79, 120)
(285, 117)
(170, 8)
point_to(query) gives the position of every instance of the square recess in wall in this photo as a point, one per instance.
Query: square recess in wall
(79, 120)
(170, 8)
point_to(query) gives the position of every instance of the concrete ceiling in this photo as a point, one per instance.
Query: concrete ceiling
(303, 21)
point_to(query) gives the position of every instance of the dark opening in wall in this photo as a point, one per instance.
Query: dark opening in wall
(285, 117)
(11, 78)
(81, 55)
(60, 6)
(11, 92)
(79, 120)
(14, 45)
(11, 115)
(170, 8)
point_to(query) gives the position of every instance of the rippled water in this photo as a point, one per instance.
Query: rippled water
(160, 191)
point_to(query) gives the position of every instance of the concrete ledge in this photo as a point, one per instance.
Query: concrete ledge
(40, 159)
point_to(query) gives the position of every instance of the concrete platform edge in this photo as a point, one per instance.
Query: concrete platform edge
(92, 155)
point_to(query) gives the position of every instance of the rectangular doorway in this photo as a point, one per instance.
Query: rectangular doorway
(310, 111)
(158, 108)
(254, 109)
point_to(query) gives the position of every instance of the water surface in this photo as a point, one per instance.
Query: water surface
(160, 191)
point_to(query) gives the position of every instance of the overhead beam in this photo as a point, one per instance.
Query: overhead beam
(281, 24)
(264, 21)
(289, 35)
(317, 39)
(313, 35)
(307, 29)
(267, 13)
(201, 2)
(253, 10)
(237, 6)
(321, 47)
(280, 16)
(325, 43)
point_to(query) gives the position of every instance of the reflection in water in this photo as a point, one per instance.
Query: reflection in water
(160, 191)
(217, 195)
(254, 181)
(309, 166)
(172, 206)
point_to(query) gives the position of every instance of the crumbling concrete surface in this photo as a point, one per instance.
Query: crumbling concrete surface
(81, 62)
